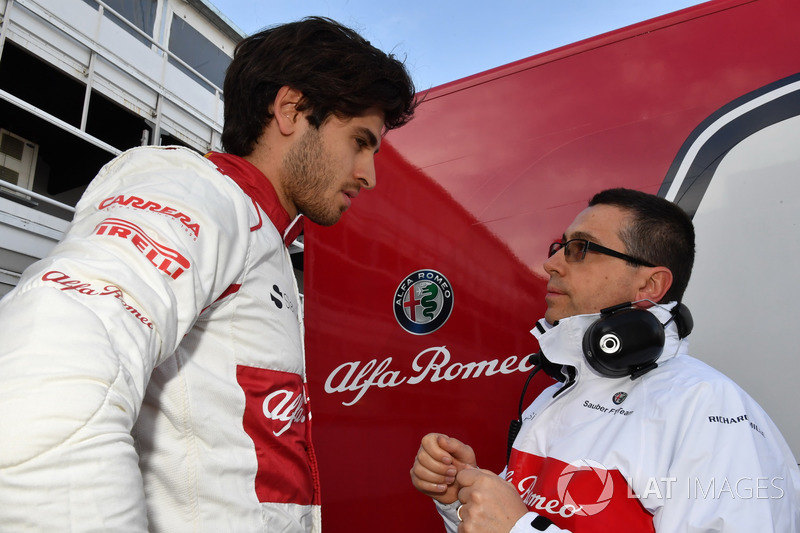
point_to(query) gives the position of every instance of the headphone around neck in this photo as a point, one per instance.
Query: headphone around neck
(627, 341)
(624, 341)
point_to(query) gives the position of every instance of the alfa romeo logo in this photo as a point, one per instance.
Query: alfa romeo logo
(423, 302)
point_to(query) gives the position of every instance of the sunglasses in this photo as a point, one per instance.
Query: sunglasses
(575, 251)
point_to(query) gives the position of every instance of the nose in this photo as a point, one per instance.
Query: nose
(365, 172)
(555, 263)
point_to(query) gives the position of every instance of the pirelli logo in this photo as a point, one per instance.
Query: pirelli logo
(163, 258)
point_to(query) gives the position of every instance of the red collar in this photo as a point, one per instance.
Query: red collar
(256, 185)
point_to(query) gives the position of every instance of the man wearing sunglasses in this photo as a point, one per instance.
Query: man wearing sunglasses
(643, 439)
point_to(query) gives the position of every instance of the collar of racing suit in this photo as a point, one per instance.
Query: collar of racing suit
(256, 185)
(562, 344)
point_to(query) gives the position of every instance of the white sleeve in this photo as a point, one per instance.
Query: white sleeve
(731, 470)
(81, 334)
(449, 515)
(528, 523)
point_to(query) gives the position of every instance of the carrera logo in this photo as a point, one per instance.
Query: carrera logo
(423, 302)
(276, 419)
(165, 259)
(134, 202)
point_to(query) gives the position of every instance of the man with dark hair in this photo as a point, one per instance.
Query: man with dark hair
(636, 435)
(659, 231)
(152, 371)
(309, 56)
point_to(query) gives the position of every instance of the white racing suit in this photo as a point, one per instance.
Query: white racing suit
(680, 449)
(152, 370)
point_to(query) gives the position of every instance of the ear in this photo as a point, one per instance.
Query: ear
(655, 283)
(285, 110)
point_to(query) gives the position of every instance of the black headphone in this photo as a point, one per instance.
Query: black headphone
(624, 341)
(627, 341)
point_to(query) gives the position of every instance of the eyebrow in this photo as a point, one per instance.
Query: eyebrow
(579, 235)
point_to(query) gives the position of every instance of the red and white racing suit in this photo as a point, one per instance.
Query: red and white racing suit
(680, 449)
(152, 367)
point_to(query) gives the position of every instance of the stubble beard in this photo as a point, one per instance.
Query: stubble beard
(307, 177)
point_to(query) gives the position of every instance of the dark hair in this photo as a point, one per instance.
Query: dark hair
(660, 233)
(337, 71)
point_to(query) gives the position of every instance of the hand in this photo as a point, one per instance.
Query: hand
(438, 461)
(489, 504)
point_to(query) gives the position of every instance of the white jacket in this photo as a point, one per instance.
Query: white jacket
(680, 449)
(169, 312)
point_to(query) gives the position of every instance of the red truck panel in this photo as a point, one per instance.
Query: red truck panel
(489, 173)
